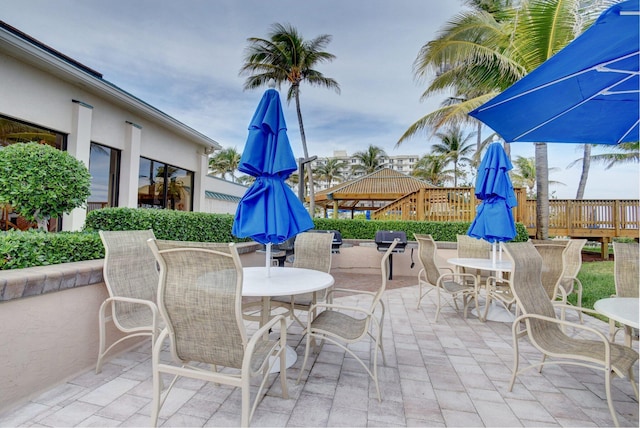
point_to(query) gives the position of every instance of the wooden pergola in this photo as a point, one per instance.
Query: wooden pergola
(369, 192)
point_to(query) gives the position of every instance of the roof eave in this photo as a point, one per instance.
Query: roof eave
(28, 52)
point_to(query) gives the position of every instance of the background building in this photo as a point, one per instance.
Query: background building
(137, 155)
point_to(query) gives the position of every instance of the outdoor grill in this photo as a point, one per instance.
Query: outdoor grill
(384, 239)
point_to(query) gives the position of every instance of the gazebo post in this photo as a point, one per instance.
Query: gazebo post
(335, 209)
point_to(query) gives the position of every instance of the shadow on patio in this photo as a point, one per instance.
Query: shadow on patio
(451, 373)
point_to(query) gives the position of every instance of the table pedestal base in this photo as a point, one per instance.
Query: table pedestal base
(290, 357)
(496, 313)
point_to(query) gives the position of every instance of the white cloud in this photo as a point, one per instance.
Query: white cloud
(184, 57)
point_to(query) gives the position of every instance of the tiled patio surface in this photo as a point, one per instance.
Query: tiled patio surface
(451, 373)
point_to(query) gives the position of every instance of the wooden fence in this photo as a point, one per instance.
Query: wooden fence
(594, 219)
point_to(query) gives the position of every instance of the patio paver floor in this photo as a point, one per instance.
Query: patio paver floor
(452, 373)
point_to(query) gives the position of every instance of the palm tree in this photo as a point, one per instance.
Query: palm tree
(246, 180)
(332, 169)
(485, 50)
(432, 168)
(370, 159)
(524, 174)
(454, 147)
(225, 162)
(286, 57)
(621, 153)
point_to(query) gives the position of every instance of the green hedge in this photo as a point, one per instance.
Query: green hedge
(166, 224)
(32, 248)
(440, 231)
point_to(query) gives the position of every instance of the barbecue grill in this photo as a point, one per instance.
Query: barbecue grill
(384, 239)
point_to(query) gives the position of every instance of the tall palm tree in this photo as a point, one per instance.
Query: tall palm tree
(332, 169)
(370, 159)
(225, 162)
(287, 58)
(454, 147)
(485, 50)
(432, 168)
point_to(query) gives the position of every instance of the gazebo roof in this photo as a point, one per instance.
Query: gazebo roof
(370, 191)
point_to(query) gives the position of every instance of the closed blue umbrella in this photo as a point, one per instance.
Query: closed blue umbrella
(494, 218)
(586, 93)
(269, 212)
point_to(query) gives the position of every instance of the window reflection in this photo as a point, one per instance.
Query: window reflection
(164, 186)
(104, 167)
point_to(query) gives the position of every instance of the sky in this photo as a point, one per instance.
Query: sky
(184, 57)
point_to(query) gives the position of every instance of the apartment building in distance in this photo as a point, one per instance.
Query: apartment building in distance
(402, 163)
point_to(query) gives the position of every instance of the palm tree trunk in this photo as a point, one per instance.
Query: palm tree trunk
(312, 193)
(542, 187)
(586, 163)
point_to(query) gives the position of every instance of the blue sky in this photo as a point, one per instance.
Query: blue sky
(183, 57)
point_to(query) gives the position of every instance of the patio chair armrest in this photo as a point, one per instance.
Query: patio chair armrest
(263, 331)
(563, 305)
(350, 291)
(446, 268)
(459, 276)
(340, 307)
(152, 306)
(560, 322)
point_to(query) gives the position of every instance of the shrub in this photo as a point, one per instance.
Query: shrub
(36, 248)
(41, 182)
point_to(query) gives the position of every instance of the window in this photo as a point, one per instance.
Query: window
(104, 167)
(164, 186)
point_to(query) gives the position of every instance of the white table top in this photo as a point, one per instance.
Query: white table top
(621, 309)
(283, 281)
(485, 264)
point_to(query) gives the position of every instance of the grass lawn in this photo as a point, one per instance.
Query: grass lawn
(597, 283)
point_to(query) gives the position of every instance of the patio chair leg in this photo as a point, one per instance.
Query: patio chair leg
(607, 386)
(306, 356)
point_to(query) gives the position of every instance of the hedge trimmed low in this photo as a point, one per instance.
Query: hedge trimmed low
(26, 249)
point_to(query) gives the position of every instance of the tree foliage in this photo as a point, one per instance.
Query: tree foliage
(41, 182)
(286, 57)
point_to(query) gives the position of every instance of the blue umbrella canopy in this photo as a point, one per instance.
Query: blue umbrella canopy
(269, 212)
(494, 219)
(586, 93)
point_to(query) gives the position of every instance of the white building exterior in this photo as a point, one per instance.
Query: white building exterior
(224, 199)
(42, 87)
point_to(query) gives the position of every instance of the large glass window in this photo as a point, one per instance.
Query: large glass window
(104, 167)
(164, 186)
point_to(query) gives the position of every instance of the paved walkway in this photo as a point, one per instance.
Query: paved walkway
(451, 373)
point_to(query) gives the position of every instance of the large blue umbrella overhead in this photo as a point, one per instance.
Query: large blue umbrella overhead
(585, 93)
(269, 212)
(494, 218)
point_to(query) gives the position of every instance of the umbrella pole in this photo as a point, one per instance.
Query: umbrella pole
(268, 262)
(493, 253)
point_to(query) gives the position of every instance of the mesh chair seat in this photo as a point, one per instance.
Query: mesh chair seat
(340, 324)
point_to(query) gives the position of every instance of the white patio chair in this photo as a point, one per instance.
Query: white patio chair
(342, 325)
(200, 297)
(131, 275)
